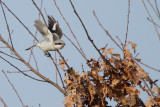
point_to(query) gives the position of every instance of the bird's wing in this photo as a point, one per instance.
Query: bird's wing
(43, 29)
(54, 27)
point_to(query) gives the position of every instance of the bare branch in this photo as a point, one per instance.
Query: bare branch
(75, 47)
(69, 28)
(8, 55)
(154, 9)
(106, 31)
(13, 88)
(151, 19)
(19, 21)
(157, 8)
(127, 21)
(7, 25)
(5, 105)
(39, 11)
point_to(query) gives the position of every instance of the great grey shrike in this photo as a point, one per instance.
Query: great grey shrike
(52, 34)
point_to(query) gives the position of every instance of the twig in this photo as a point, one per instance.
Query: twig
(69, 28)
(17, 71)
(8, 55)
(63, 59)
(20, 70)
(31, 52)
(149, 66)
(154, 9)
(39, 12)
(58, 71)
(151, 19)
(13, 88)
(119, 40)
(75, 47)
(5, 105)
(32, 69)
(127, 22)
(153, 23)
(89, 38)
(157, 8)
(20, 21)
(9, 33)
(106, 30)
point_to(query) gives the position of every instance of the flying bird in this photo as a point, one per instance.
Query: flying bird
(52, 34)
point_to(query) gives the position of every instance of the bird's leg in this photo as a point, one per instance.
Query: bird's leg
(47, 54)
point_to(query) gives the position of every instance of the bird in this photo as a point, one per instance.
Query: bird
(52, 34)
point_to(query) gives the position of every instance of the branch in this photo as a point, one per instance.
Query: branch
(106, 30)
(8, 55)
(20, 21)
(89, 38)
(76, 47)
(39, 12)
(13, 88)
(7, 25)
(151, 19)
(32, 69)
(5, 105)
(70, 29)
(127, 21)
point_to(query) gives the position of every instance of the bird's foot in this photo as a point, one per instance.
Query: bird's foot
(47, 54)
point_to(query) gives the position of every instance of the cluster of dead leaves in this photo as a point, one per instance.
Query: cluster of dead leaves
(113, 77)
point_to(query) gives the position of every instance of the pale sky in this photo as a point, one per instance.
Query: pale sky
(113, 16)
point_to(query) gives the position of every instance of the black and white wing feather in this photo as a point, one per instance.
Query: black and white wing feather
(54, 27)
(43, 29)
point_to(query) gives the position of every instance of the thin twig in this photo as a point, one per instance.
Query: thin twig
(75, 47)
(20, 70)
(157, 8)
(58, 71)
(127, 22)
(149, 66)
(154, 9)
(5, 105)
(39, 12)
(106, 30)
(120, 41)
(9, 33)
(8, 55)
(70, 29)
(89, 38)
(153, 23)
(151, 19)
(13, 88)
(20, 21)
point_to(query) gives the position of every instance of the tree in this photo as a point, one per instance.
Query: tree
(110, 75)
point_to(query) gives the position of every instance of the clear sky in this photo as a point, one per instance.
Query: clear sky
(113, 16)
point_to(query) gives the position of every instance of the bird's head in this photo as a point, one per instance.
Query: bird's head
(59, 44)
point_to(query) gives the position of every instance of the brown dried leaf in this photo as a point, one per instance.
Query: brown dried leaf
(133, 46)
(62, 63)
(114, 82)
(155, 90)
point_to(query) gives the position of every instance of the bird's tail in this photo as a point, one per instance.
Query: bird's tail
(30, 47)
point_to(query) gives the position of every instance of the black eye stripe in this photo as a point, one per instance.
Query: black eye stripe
(58, 43)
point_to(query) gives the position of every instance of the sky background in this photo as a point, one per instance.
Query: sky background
(111, 13)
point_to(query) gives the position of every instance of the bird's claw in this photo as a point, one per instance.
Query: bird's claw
(47, 54)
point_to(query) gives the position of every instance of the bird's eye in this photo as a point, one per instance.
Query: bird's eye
(58, 43)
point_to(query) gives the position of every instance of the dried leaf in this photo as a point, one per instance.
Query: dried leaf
(62, 63)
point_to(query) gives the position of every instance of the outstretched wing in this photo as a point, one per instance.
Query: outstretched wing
(43, 29)
(54, 27)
